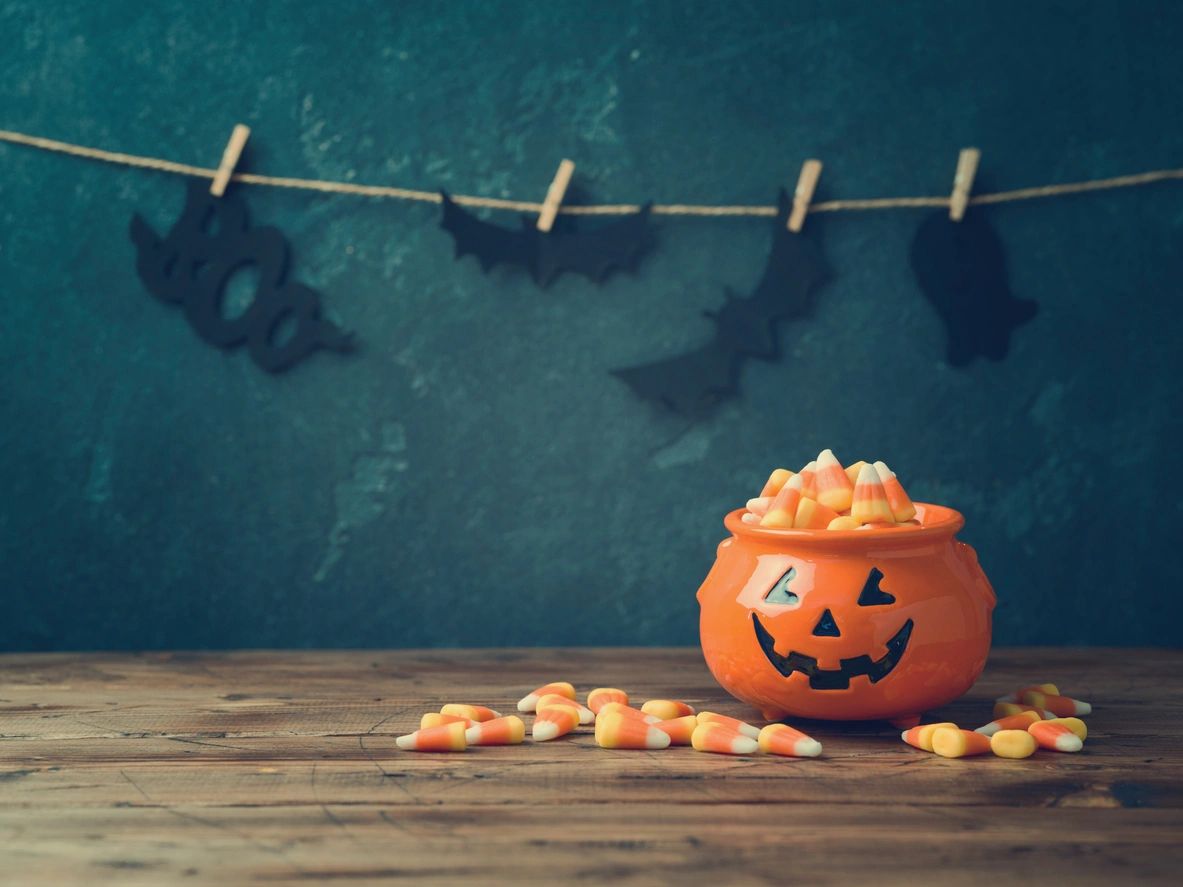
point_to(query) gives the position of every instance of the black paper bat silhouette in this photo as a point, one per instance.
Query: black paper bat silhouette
(594, 254)
(962, 271)
(191, 267)
(692, 383)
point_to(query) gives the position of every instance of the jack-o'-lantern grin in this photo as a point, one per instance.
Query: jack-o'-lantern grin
(833, 678)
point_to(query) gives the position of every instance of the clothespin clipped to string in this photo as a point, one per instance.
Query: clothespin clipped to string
(811, 171)
(554, 195)
(963, 182)
(230, 156)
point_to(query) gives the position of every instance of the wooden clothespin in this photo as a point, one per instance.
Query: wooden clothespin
(811, 171)
(963, 182)
(554, 195)
(229, 159)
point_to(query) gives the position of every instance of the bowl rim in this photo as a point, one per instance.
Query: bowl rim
(939, 521)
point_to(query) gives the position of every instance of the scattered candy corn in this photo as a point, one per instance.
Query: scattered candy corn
(553, 722)
(901, 506)
(812, 515)
(834, 489)
(1060, 706)
(586, 715)
(870, 499)
(1012, 744)
(715, 737)
(843, 522)
(1006, 709)
(561, 688)
(921, 737)
(667, 709)
(775, 481)
(500, 731)
(434, 719)
(1055, 736)
(781, 739)
(709, 717)
(472, 712)
(598, 697)
(1041, 688)
(445, 737)
(679, 729)
(616, 708)
(783, 509)
(950, 742)
(1021, 721)
(618, 731)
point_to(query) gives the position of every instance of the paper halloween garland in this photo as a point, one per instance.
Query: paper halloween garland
(192, 266)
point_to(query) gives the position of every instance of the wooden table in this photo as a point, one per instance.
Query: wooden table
(275, 768)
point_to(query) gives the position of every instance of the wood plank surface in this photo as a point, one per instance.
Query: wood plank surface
(280, 767)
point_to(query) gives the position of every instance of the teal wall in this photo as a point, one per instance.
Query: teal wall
(473, 475)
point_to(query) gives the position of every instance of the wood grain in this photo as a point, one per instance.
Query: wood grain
(281, 768)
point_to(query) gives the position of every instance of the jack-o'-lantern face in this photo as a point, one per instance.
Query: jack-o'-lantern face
(826, 626)
(846, 625)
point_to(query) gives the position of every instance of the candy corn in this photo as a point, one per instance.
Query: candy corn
(499, 731)
(783, 509)
(615, 708)
(679, 729)
(445, 737)
(1006, 709)
(561, 688)
(618, 731)
(1012, 744)
(834, 489)
(812, 515)
(586, 715)
(843, 522)
(434, 719)
(600, 696)
(949, 742)
(709, 717)
(809, 481)
(1076, 725)
(781, 739)
(1060, 706)
(897, 500)
(853, 470)
(553, 722)
(775, 481)
(715, 737)
(1021, 721)
(759, 507)
(751, 519)
(870, 500)
(921, 737)
(667, 709)
(1055, 736)
(1041, 688)
(472, 712)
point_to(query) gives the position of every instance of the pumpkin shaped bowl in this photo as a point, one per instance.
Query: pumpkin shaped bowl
(887, 622)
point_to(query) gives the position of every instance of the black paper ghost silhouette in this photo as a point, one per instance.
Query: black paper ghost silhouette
(192, 266)
(962, 270)
(692, 383)
(594, 254)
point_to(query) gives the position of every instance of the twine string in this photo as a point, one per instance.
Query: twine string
(614, 209)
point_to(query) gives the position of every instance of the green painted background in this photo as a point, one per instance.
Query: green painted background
(474, 475)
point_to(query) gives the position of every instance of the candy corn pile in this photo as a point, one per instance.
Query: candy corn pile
(1030, 718)
(657, 724)
(824, 495)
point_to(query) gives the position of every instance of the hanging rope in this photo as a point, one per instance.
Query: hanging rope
(615, 209)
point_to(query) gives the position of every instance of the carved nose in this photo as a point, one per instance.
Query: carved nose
(826, 626)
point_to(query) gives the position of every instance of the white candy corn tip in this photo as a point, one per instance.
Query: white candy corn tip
(655, 738)
(744, 745)
(527, 702)
(406, 742)
(473, 734)
(904, 735)
(795, 481)
(883, 471)
(586, 716)
(544, 731)
(869, 474)
(750, 518)
(989, 730)
(1083, 708)
(748, 730)
(807, 748)
(825, 458)
(1069, 742)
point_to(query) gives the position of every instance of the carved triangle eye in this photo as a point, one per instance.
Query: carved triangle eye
(779, 593)
(872, 595)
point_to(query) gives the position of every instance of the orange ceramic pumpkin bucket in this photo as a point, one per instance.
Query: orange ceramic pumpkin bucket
(846, 624)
